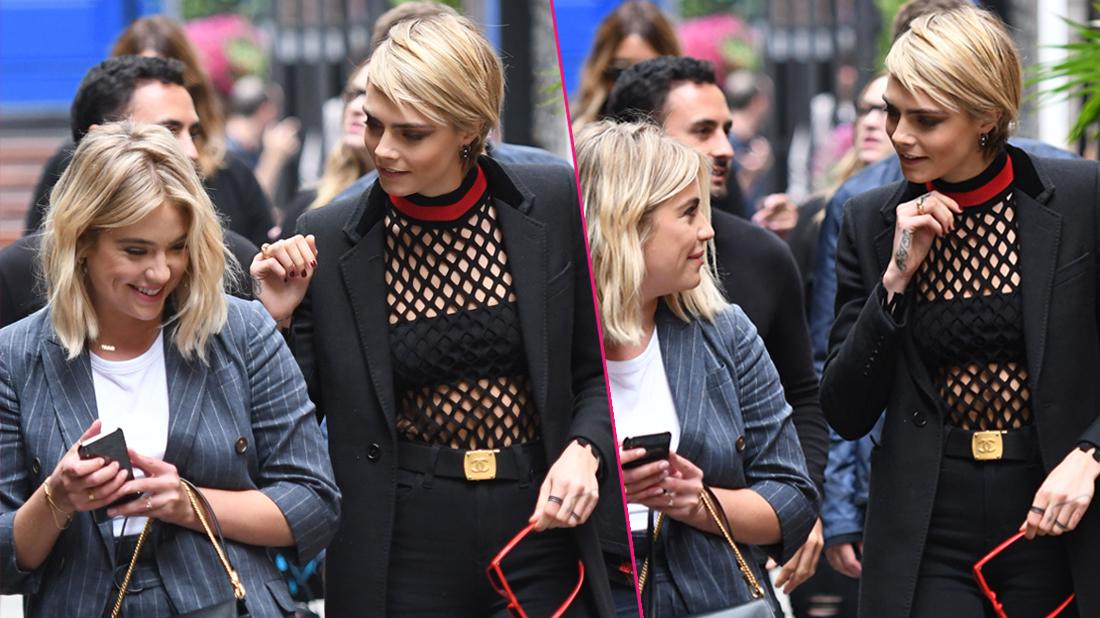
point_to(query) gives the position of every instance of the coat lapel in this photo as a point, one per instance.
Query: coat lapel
(73, 395)
(1040, 233)
(186, 395)
(884, 249)
(361, 268)
(525, 241)
(686, 369)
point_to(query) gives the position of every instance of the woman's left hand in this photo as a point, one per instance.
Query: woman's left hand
(1063, 497)
(680, 496)
(570, 491)
(164, 499)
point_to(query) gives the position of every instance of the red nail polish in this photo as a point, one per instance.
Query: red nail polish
(313, 264)
(304, 274)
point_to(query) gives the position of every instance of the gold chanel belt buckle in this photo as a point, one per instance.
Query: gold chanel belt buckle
(987, 445)
(480, 465)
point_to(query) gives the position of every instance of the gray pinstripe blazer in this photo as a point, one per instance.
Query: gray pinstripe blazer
(736, 426)
(242, 422)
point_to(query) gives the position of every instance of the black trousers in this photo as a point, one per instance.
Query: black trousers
(979, 505)
(446, 532)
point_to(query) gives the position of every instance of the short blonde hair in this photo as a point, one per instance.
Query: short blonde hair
(443, 67)
(119, 174)
(964, 59)
(626, 170)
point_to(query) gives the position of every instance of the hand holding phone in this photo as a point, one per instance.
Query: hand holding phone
(111, 447)
(656, 447)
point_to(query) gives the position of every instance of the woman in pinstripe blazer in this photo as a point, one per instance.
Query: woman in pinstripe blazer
(680, 359)
(139, 335)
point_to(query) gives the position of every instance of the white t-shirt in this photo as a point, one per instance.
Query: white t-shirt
(642, 404)
(133, 394)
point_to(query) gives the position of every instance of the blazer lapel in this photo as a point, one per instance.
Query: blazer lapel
(1040, 233)
(525, 241)
(186, 389)
(361, 268)
(686, 369)
(884, 249)
(73, 395)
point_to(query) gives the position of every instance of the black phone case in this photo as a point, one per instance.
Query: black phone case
(111, 447)
(655, 445)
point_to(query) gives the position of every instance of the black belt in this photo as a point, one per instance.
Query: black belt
(1013, 444)
(519, 462)
(125, 546)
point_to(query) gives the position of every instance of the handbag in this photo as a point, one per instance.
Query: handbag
(229, 609)
(759, 607)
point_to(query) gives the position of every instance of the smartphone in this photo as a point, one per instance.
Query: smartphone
(111, 447)
(655, 444)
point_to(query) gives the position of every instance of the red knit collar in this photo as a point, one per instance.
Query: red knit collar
(447, 207)
(990, 184)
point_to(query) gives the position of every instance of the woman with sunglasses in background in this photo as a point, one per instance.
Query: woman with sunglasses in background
(445, 323)
(680, 359)
(346, 163)
(635, 31)
(967, 308)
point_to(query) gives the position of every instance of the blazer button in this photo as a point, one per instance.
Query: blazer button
(374, 451)
(241, 445)
(740, 443)
(919, 419)
(36, 466)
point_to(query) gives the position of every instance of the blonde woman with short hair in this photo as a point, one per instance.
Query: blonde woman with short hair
(139, 336)
(681, 360)
(445, 321)
(967, 309)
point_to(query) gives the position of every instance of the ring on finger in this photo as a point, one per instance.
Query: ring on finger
(1061, 525)
(574, 515)
(1037, 510)
(91, 496)
(556, 500)
(264, 249)
(148, 502)
(920, 204)
(671, 499)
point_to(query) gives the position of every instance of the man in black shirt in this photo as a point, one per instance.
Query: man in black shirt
(756, 268)
(138, 89)
(144, 90)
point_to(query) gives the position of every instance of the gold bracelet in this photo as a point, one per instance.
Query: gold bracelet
(54, 509)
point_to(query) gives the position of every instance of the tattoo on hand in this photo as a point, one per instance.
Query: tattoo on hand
(257, 288)
(901, 256)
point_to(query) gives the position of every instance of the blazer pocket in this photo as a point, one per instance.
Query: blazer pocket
(1073, 269)
(559, 282)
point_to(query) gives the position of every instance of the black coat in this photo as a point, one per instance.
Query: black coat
(341, 338)
(873, 363)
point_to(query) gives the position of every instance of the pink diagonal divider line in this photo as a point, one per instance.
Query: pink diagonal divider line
(595, 303)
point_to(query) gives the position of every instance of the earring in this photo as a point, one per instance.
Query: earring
(983, 140)
(465, 152)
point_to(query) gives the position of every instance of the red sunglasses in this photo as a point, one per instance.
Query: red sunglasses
(500, 583)
(992, 596)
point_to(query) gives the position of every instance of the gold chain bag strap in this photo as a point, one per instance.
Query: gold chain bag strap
(193, 496)
(710, 504)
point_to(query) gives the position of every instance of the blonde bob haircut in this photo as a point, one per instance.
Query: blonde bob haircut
(626, 171)
(964, 60)
(119, 174)
(443, 67)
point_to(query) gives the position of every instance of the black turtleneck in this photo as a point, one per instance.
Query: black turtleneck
(968, 314)
(459, 366)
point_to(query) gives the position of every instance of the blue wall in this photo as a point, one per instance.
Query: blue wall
(46, 47)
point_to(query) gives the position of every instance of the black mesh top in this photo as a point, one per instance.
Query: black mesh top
(459, 366)
(968, 314)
